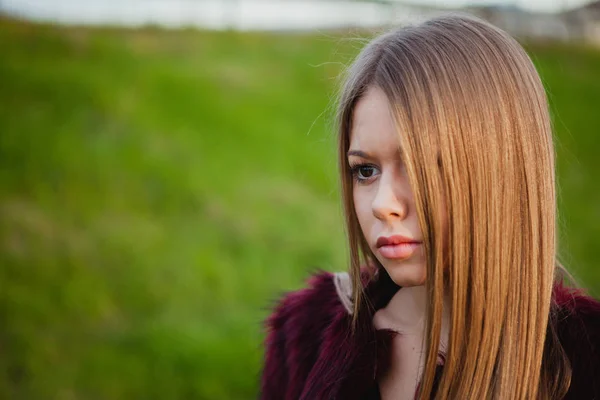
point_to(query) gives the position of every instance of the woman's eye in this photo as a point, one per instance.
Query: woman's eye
(363, 172)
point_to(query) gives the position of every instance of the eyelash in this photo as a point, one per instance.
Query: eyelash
(354, 169)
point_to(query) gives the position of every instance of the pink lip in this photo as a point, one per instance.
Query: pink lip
(397, 246)
(396, 239)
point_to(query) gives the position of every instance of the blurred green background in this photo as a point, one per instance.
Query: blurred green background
(160, 189)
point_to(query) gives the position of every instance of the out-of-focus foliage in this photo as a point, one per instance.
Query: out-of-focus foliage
(160, 189)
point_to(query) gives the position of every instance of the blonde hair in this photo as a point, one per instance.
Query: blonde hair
(472, 116)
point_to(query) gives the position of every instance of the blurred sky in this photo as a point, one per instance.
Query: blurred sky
(538, 5)
(250, 14)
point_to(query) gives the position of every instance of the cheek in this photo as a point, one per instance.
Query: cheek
(362, 208)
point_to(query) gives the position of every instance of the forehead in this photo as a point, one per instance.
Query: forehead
(373, 128)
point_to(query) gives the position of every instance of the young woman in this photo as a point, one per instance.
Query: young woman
(448, 182)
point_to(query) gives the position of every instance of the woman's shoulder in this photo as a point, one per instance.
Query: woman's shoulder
(578, 312)
(310, 352)
(296, 332)
(323, 293)
(578, 329)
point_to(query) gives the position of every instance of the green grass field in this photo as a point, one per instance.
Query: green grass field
(160, 189)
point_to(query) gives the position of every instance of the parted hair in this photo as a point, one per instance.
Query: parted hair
(473, 122)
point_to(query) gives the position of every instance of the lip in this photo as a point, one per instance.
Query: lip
(393, 240)
(397, 247)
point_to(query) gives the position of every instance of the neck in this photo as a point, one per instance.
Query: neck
(406, 314)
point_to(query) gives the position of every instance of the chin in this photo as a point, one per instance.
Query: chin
(407, 275)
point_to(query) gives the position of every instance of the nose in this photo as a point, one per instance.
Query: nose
(388, 203)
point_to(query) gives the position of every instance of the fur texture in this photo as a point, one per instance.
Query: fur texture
(310, 353)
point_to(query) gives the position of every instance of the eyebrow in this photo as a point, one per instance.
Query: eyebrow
(368, 156)
(358, 153)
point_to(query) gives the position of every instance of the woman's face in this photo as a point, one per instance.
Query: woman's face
(383, 198)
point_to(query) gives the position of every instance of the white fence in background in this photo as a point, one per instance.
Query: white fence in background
(577, 24)
(217, 14)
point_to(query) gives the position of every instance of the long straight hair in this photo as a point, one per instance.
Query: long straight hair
(473, 123)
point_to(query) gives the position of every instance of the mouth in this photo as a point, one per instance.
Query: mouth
(399, 251)
(397, 246)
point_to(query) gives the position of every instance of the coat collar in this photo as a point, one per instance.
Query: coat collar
(348, 365)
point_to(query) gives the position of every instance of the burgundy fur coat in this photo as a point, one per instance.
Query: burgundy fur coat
(310, 354)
